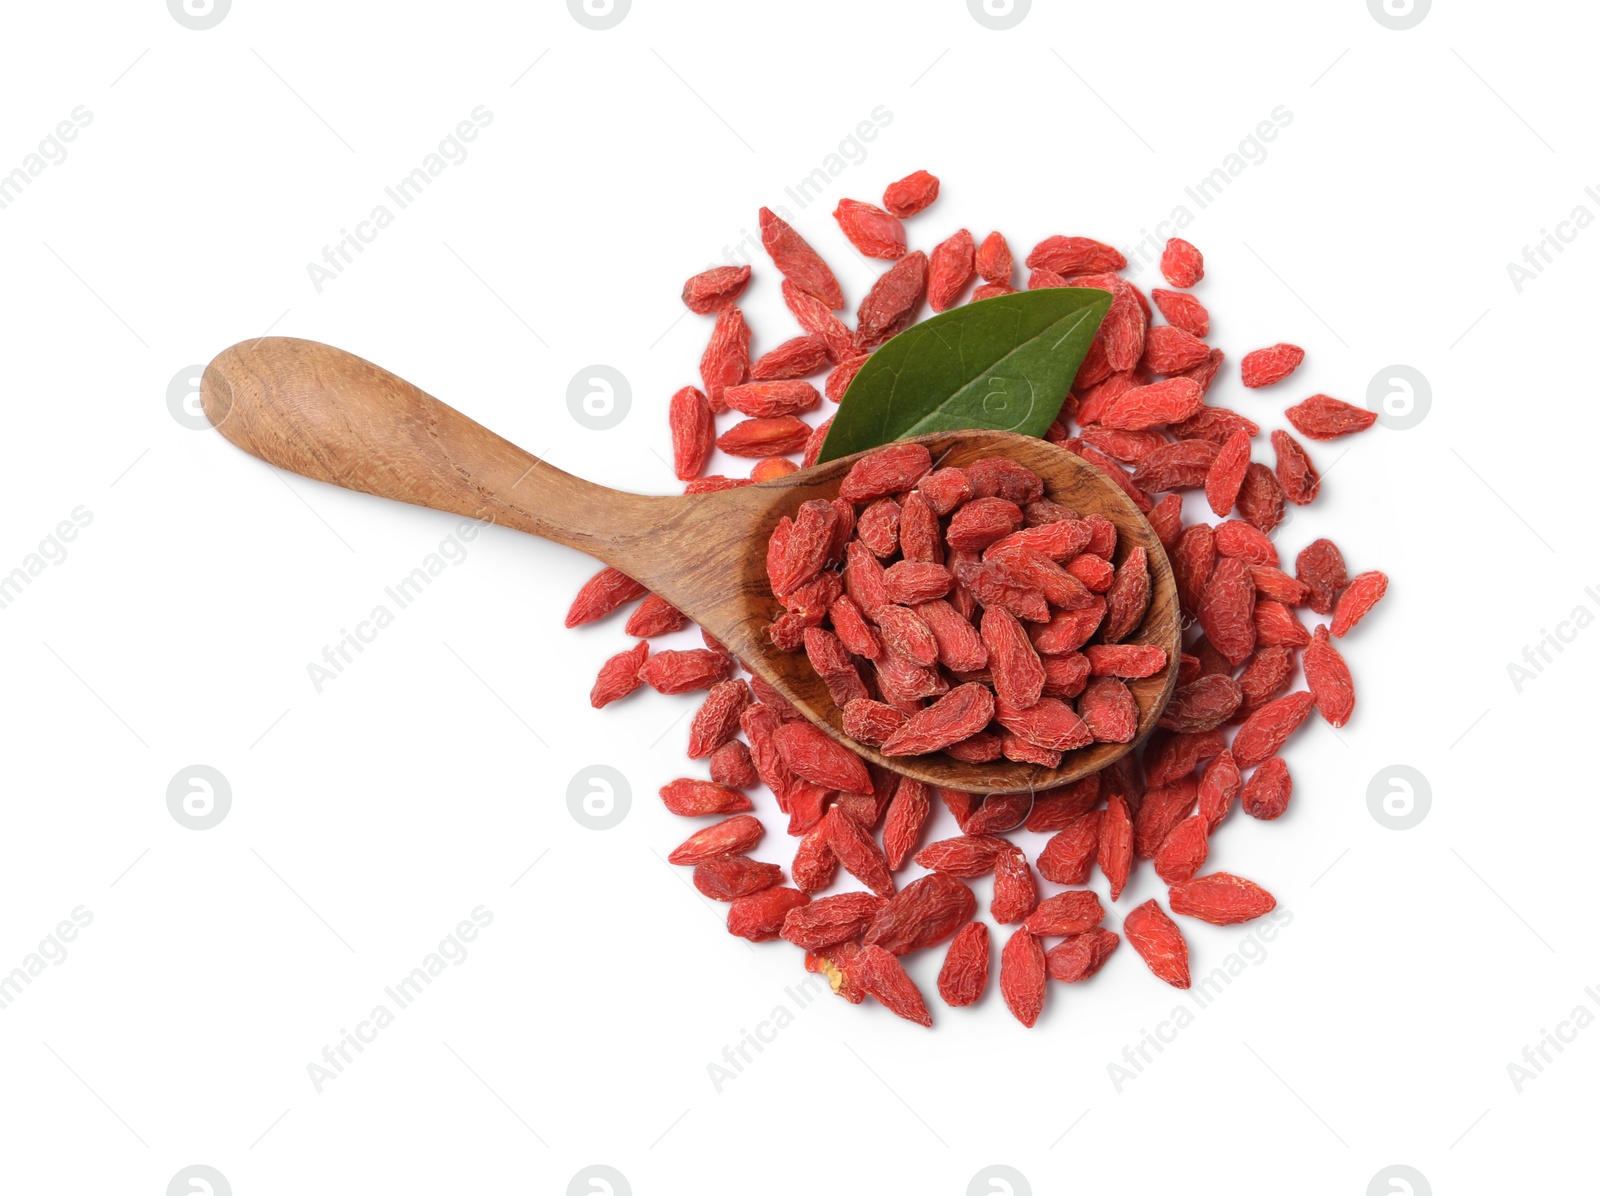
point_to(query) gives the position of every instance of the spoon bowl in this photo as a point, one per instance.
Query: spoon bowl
(329, 415)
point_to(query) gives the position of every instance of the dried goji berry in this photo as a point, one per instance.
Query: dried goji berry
(1296, 474)
(1227, 608)
(908, 196)
(816, 318)
(830, 920)
(891, 305)
(874, 232)
(924, 912)
(799, 264)
(693, 798)
(1183, 851)
(1082, 955)
(1221, 899)
(1322, 417)
(1159, 943)
(1266, 731)
(1015, 894)
(1219, 784)
(731, 836)
(760, 916)
(1109, 711)
(880, 976)
(949, 270)
(731, 765)
(1360, 596)
(602, 594)
(1169, 349)
(1263, 367)
(1115, 851)
(677, 672)
(619, 676)
(1227, 472)
(1320, 566)
(1162, 809)
(858, 853)
(1072, 912)
(1023, 977)
(714, 288)
(1266, 793)
(1075, 255)
(1182, 311)
(1328, 678)
(730, 876)
(717, 720)
(1181, 263)
(1065, 859)
(965, 973)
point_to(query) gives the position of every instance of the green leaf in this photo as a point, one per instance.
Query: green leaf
(1004, 363)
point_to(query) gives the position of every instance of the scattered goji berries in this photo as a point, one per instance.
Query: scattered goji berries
(962, 610)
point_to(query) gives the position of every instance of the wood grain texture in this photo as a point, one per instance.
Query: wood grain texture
(331, 416)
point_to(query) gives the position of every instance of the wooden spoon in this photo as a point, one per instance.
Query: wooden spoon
(328, 415)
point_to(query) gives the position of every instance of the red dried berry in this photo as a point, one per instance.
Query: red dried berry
(731, 836)
(1183, 851)
(1075, 255)
(1227, 608)
(1081, 956)
(815, 317)
(1263, 367)
(1109, 711)
(602, 594)
(1072, 912)
(922, 914)
(1182, 311)
(949, 270)
(1221, 899)
(731, 766)
(1266, 731)
(717, 720)
(692, 798)
(1266, 793)
(1323, 418)
(1296, 473)
(1115, 851)
(715, 288)
(881, 977)
(1360, 596)
(1023, 977)
(830, 920)
(1320, 566)
(908, 196)
(1159, 943)
(800, 265)
(1220, 783)
(727, 355)
(1065, 859)
(619, 676)
(731, 876)
(861, 857)
(874, 232)
(760, 916)
(891, 305)
(965, 973)
(1181, 263)
(1162, 809)
(1168, 402)
(1328, 678)
(795, 358)
(1170, 350)
(1227, 472)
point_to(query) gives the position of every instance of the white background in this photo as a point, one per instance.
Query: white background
(431, 777)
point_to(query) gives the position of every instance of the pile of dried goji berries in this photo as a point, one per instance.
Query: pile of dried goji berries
(1137, 410)
(941, 631)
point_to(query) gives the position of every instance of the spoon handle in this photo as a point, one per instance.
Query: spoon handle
(329, 415)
